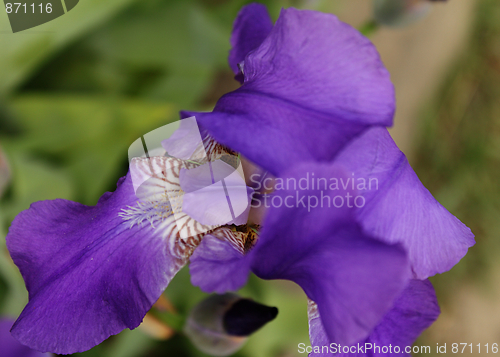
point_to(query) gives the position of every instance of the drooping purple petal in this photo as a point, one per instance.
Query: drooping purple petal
(399, 209)
(250, 28)
(91, 271)
(353, 278)
(413, 312)
(10, 347)
(217, 265)
(311, 86)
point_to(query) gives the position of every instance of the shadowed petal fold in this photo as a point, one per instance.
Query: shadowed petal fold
(413, 312)
(219, 265)
(89, 272)
(353, 278)
(400, 209)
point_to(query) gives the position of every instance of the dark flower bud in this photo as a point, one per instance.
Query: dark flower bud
(246, 316)
(221, 324)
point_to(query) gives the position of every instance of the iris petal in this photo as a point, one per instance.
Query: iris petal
(276, 134)
(402, 210)
(12, 348)
(318, 62)
(414, 311)
(353, 278)
(89, 272)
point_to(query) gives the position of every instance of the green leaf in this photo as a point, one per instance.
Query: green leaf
(16, 296)
(129, 344)
(34, 180)
(22, 53)
(173, 33)
(87, 136)
(4, 173)
(177, 41)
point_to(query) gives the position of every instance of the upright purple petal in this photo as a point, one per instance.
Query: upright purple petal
(399, 209)
(318, 62)
(10, 347)
(413, 312)
(90, 271)
(353, 278)
(250, 28)
(310, 87)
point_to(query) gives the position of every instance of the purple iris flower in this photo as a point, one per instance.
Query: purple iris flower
(10, 347)
(315, 98)
(349, 83)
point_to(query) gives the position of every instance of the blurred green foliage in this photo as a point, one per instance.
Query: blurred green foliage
(458, 154)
